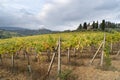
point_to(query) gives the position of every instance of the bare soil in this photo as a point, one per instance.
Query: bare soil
(79, 67)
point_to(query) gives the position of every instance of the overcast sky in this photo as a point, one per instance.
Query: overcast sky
(56, 14)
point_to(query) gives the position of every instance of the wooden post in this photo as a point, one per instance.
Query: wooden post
(75, 52)
(118, 53)
(24, 53)
(48, 54)
(35, 53)
(59, 57)
(51, 63)
(29, 67)
(1, 59)
(75, 56)
(111, 47)
(96, 53)
(12, 59)
(68, 55)
(102, 55)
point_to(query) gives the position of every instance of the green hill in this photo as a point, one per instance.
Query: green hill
(7, 34)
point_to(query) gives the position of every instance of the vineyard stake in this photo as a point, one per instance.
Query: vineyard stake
(35, 53)
(29, 67)
(25, 54)
(51, 63)
(75, 52)
(48, 54)
(75, 56)
(12, 58)
(102, 55)
(118, 53)
(59, 56)
(111, 47)
(1, 58)
(96, 53)
(68, 55)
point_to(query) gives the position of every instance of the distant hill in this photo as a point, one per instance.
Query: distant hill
(26, 32)
(12, 28)
(7, 34)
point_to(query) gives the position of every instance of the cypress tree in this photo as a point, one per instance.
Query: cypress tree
(85, 25)
(97, 25)
(79, 27)
(93, 24)
(102, 26)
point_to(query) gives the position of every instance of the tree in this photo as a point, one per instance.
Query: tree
(93, 24)
(96, 25)
(102, 26)
(79, 27)
(85, 25)
(110, 25)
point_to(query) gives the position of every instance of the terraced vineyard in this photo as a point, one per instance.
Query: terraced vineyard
(31, 55)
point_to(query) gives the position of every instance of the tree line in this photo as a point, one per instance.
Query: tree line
(96, 25)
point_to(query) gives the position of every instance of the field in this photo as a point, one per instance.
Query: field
(61, 56)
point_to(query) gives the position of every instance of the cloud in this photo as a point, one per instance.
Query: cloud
(72, 11)
(20, 19)
(17, 15)
(56, 14)
(75, 12)
(109, 5)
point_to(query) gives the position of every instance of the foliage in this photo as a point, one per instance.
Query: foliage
(40, 43)
(107, 55)
(79, 27)
(85, 25)
(103, 25)
(7, 34)
(65, 74)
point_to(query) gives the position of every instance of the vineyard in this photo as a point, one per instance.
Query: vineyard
(58, 56)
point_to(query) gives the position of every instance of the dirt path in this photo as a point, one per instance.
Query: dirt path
(82, 71)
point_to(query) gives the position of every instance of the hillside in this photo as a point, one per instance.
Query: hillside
(17, 31)
(30, 57)
(25, 32)
(8, 34)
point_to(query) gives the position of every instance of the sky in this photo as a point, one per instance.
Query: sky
(56, 14)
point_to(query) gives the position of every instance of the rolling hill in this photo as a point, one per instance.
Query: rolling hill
(25, 32)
